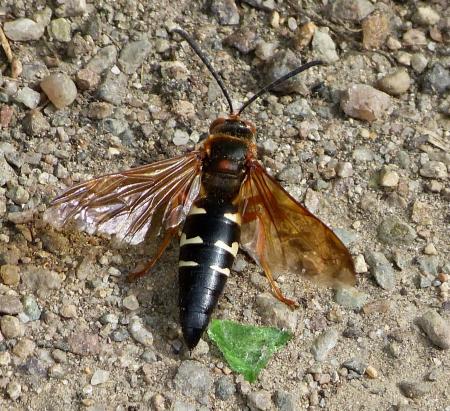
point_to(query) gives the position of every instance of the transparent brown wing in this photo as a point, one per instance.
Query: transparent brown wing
(283, 236)
(132, 203)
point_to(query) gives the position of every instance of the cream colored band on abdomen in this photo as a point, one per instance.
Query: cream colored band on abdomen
(232, 250)
(182, 263)
(221, 270)
(235, 217)
(193, 240)
(197, 210)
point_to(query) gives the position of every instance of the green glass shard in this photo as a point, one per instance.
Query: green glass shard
(246, 348)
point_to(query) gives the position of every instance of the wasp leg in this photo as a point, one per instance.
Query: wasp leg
(268, 272)
(275, 289)
(145, 270)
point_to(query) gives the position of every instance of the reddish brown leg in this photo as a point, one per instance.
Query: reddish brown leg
(145, 270)
(275, 289)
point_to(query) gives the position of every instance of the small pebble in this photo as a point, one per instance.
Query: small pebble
(56, 371)
(356, 365)
(113, 89)
(371, 372)
(149, 356)
(72, 8)
(23, 29)
(419, 62)
(422, 213)
(185, 109)
(414, 38)
(351, 10)
(83, 343)
(394, 349)
(436, 329)
(414, 389)
(365, 102)
(275, 313)
(324, 343)
(426, 16)
(139, 333)
(28, 97)
(360, 264)
(180, 137)
(428, 265)
(292, 24)
(375, 30)
(68, 311)
(59, 356)
(5, 358)
(260, 400)
(103, 60)
(394, 231)
(31, 308)
(34, 123)
(14, 390)
(265, 51)
(60, 89)
(389, 178)
(403, 58)
(434, 169)
(10, 304)
(87, 79)
(11, 327)
(344, 169)
(304, 35)
(225, 388)
(393, 43)
(433, 375)
(24, 348)
(226, 12)
(430, 249)
(284, 61)
(381, 269)
(275, 19)
(120, 335)
(174, 70)
(193, 379)
(60, 30)
(396, 83)
(10, 275)
(130, 302)
(324, 47)
(242, 39)
(436, 80)
(292, 173)
(18, 194)
(99, 110)
(133, 55)
(350, 297)
(380, 306)
(100, 377)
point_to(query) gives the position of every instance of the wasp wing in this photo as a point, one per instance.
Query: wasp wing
(131, 203)
(281, 235)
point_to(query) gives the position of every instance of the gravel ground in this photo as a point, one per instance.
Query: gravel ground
(363, 141)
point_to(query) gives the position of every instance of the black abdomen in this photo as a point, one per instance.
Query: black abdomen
(208, 247)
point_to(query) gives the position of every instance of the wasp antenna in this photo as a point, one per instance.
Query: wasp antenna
(270, 86)
(205, 61)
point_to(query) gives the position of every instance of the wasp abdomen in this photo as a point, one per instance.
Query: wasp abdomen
(208, 246)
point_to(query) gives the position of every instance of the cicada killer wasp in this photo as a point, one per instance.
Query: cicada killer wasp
(223, 199)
